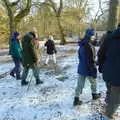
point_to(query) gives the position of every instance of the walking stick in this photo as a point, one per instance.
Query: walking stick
(29, 83)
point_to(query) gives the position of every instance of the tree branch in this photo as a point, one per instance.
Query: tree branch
(60, 7)
(97, 17)
(23, 12)
(14, 3)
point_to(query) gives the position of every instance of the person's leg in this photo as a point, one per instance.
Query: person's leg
(108, 91)
(18, 68)
(113, 101)
(54, 58)
(80, 85)
(24, 76)
(47, 59)
(36, 75)
(79, 89)
(12, 73)
(93, 83)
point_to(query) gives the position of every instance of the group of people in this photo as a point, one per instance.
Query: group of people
(108, 64)
(108, 61)
(29, 55)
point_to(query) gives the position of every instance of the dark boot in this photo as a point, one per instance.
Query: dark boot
(23, 83)
(77, 101)
(18, 78)
(12, 74)
(96, 96)
(39, 82)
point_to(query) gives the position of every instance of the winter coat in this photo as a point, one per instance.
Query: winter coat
(50, 47)
(111, 66)
(86, 65)
(15, 49)
(29, 51)
(102, 51)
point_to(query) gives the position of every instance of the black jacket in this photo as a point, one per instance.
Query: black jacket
(50, 47)
(103, 49)
(111, 65)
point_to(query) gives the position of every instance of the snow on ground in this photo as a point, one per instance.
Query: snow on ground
(52, 100)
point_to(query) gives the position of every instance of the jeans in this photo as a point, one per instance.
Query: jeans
(81, 83)
(17, 69)
(51, 56)
(35, 70)
(113, 101)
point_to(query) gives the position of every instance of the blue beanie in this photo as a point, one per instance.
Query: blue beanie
(15, 35)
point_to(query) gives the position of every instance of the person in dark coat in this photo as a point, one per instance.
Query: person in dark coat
(30, 58)
(51, 50)
(102, 51)
(16, 53)
(86, 68)
(111, 72)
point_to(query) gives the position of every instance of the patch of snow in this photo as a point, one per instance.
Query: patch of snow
(52, 100)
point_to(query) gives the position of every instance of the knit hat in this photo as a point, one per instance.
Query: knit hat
(15, 35)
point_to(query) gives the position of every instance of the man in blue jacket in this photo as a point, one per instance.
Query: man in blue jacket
(86, 68)
(111, 72)
(16, 53)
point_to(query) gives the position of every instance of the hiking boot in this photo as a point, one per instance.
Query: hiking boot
(77, 101)
(96, 96)
(39, 82)
(46, 64)
(18, 78)
(12, 74)
(23, 83)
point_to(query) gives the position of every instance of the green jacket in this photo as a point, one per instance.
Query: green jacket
(15, 49)
(29, 51)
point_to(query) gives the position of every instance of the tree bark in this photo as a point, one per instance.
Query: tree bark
(63, 41)
(14, 20)
(11, 18)
(112, 18)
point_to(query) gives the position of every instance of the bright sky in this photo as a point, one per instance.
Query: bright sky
(94, 5)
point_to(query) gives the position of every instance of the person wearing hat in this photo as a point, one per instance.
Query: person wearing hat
(30, 58)
(16, 52)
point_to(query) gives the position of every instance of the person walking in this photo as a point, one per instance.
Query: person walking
(86, 69)
(16, 52)
(51, 50)
(30, 58)
(109, 57)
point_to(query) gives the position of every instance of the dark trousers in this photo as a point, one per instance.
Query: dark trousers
(113, 101)
(35, 70)
(17, 69)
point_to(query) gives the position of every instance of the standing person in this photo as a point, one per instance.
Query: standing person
(16, 53)
(111, 72)
(30, 58)
(86, 68)
(51, 50)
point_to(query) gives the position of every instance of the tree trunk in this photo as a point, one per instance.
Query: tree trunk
(63, 41)
(11, 25)
(112, 19)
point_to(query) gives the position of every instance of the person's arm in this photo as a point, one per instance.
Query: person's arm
(101, 56)
(54, 47)
(46, 43)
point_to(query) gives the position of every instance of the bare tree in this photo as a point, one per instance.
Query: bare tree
(15, 15)
(58, 12)
(57, 9)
